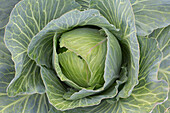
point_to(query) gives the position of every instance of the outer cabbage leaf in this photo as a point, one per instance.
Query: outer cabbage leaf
(163, 107)
(120, 14)
(54, 110)
(162, 35)
(26, 20)
(147, 94)
(84, 3)
(5, 9)
(35, 103)
(6, 65)
(21, 104)
(150, 15)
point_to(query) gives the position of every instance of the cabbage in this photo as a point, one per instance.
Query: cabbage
(84, 56)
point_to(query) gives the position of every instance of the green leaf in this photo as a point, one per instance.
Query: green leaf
(162, 35)
(35, 103)
(7, 68)
(53, 110)
(28, 82)
(150, 15)
(119, 13)
(163, 107)
(27, 19)
(84, 3)
(43, 47)
(147, 94)
(113, 59)
(6, 7)
(20, 104)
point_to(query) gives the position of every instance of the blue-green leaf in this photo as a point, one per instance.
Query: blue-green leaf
(6, 7)
(162, 35)
(84, 3)
(27, 19)
(150, 15)
(35, 103)
(21, 104)
(6, 65)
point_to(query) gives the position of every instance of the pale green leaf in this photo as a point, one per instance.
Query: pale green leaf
(6, 7)
(119, 13)
(92, 47)
(150, 15)
(74, 68)
(27, 19)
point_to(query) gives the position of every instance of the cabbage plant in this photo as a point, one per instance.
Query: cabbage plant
(84, 56)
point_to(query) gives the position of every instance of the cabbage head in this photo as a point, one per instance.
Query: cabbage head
(84, 56)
